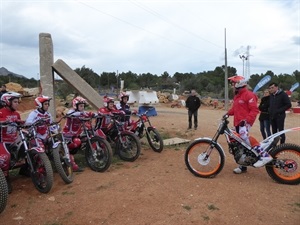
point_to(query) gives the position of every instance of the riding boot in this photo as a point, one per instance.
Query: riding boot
(75, 167)
(264, 157)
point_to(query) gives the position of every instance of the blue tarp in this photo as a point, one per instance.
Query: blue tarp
(151, 110)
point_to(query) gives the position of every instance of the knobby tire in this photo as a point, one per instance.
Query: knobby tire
(42, 176)
(3, 192)
(197, 164)
(63, 168)
(132, 149)
(290, 154)
(98, 157)
(154, 139)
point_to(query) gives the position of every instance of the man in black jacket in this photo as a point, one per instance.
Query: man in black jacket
(192, 104)
(279, 103)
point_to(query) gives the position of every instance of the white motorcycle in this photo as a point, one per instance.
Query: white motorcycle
(205, 157)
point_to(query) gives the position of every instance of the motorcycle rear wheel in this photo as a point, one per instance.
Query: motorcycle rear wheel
(42, 176)
(131, 148)
(286, 168)
(63, 165)
(99, 155)
(154, 139)
(199, 163)
(3, 192)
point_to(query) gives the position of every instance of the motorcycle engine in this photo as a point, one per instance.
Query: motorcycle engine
(242, 155)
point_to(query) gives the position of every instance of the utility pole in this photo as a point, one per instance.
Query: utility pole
(117, 81)
(226, 77)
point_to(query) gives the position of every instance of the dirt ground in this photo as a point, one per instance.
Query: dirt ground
(158, 188)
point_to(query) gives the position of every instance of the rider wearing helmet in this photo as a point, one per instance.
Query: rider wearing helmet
(41, 112)
(73, 126)
(123, 106)
(8, 134)
(108, 109)
(245, 110)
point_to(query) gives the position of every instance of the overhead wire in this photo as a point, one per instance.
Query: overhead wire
(138, 27)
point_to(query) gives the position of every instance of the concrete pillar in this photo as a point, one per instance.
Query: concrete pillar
(46, 72)
(73, 79)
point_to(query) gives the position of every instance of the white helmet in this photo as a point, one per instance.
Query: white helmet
(78, 100)
(40, 100)
(238, 81)
(7, 97)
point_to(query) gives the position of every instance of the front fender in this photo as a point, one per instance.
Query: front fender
(37, 149)
(207, 139)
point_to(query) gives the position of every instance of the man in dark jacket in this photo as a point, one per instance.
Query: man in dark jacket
(192, 104)
(279, 103)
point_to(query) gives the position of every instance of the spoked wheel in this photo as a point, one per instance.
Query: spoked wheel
(286, 168)
(204, 159)
(99, 155)
(130, 149)
(3, 192)
(154, 139)
(42, 176)
(63, 164)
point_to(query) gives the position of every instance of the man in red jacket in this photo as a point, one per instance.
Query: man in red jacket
(245, 110)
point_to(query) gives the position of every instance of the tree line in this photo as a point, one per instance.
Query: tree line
(206, 83)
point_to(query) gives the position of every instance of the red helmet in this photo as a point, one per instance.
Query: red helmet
(238, 81)
(7, 97)
(40, 100)
(122, 95)
(107, 99)
(78, 100)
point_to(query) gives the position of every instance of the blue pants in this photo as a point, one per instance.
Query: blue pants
(265, 128)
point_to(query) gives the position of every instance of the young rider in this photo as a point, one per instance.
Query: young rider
(123, 106)
(41, 112)
(245, 110)
(8, 134)
(73, 126)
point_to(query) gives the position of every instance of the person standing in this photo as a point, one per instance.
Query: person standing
(192, 104)
(3, 91)
(279, 103)
(245, 111)
(264, 117)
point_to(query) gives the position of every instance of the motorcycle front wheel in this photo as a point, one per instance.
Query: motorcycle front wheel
(154, 139)
(285, 169)
(3, 192)
(42, 174)
(204, 159)
(99, 155)
(129, 148)
(63, 164)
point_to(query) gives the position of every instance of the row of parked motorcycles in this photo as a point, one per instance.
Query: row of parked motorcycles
(98, 143)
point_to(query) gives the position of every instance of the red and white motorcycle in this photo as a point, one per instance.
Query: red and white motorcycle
(205, 157)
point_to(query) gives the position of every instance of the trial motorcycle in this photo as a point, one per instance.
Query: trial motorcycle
(26, 150)
(205, 157)
(143, 126)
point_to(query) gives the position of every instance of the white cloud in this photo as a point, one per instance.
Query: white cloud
(152, 36)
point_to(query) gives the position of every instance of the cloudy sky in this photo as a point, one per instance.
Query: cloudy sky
(152, 36)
